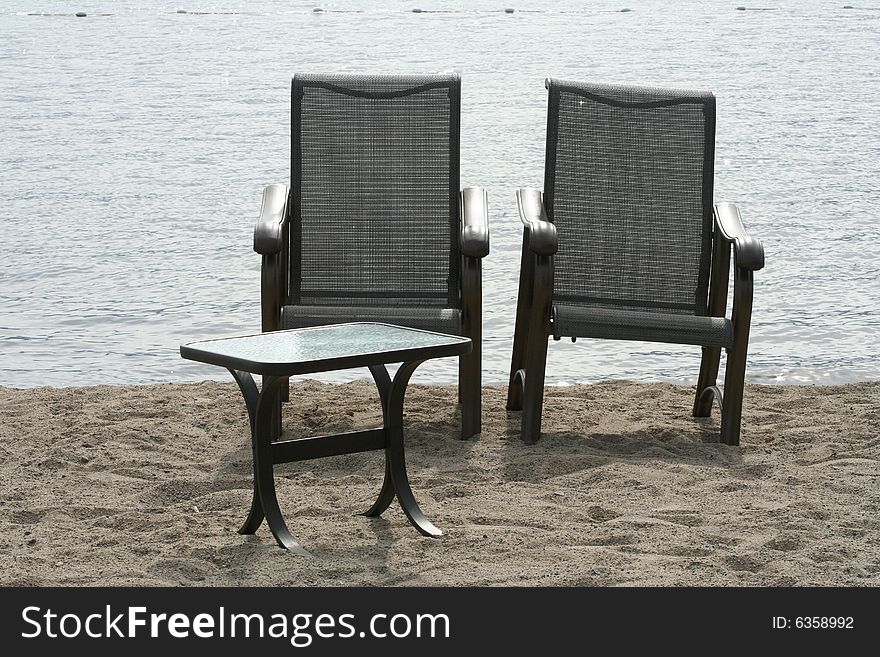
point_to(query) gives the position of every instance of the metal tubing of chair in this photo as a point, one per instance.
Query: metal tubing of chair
(461, 376)
(273, 274)
(386, 494)
(282, 291)
(461, 367)
(394, 452)
(748, 250)
(536, 352)
(474, 211)
(708, 377)
(710, 394)
(284, 265)
(263, 466)
(269, 229)
(711, 359)
(277, 413)
(270, 309)
(735, 371)
(250, 393)
(521, 330)
(470, 382)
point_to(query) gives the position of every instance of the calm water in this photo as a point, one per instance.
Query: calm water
(134, 146)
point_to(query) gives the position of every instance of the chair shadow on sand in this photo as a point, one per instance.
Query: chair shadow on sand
(569, 452)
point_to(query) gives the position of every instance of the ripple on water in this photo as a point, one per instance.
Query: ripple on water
(135, 147)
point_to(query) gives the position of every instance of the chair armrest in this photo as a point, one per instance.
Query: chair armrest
(269, 231)
(542, 233)
(748, 252)
(474, 222)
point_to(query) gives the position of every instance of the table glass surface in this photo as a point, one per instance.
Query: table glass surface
(324, 343)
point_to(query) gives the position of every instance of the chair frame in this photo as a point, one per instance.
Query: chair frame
(272, 242)
(534, 321)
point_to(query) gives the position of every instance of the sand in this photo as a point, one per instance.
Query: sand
(146, 485)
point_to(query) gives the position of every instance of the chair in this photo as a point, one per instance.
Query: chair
(374, 226)
(625, 244)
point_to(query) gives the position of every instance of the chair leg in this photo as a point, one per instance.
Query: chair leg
(536, 350)
(517, 363)
(514, 385)
(521, 329)
(469, 373)
(735, 371)
(470, 385)
(708, 378)
(271, 285)
(731, 409)
(277, 414)
(533, 395)
(460, 379)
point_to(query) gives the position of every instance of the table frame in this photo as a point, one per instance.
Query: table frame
(264, 413)
(269, 447)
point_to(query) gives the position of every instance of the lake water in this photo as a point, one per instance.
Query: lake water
(134, 147)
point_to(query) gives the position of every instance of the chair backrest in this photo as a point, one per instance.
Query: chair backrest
(374, 199)
(628, 182)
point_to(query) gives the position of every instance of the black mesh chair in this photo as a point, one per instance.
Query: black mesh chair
(625, 244)
(375, 227)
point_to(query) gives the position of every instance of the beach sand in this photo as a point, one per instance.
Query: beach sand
(147, 485)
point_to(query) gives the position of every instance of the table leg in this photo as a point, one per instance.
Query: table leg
(262, 412)
(386, 495)
(265, 475)
(250, 393)
(394, 453)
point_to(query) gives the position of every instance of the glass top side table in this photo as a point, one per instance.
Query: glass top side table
(280, 354)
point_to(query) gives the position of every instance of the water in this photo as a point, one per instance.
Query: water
(134, 148)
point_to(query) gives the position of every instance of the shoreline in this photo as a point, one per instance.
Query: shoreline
(146, 485)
